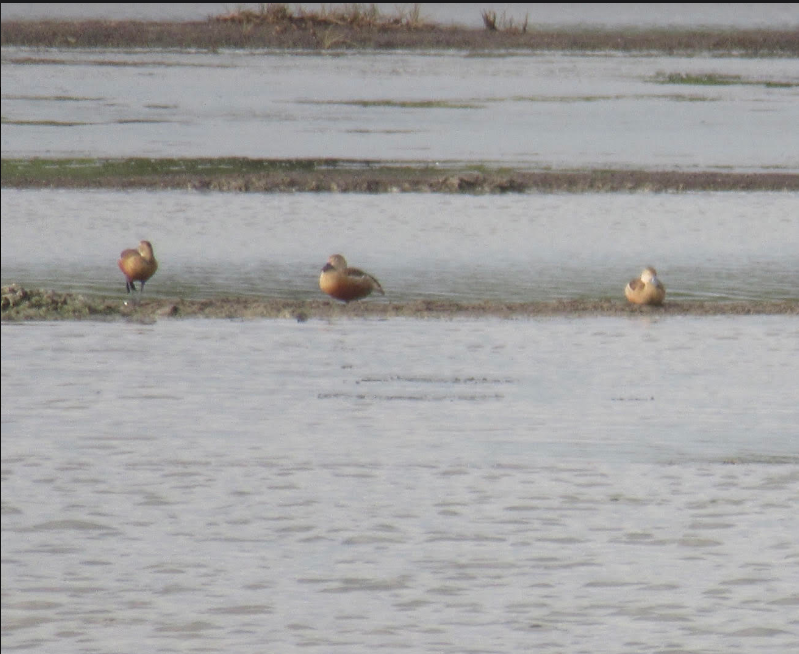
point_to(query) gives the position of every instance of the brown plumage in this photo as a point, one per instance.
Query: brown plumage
(137, 265)
(344, 283)
(647, 289)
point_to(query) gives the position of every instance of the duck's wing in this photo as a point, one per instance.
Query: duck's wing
(361, 274)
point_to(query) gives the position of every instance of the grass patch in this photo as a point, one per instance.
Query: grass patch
(603, 98)
(715, 79)
(50, 98)
(364, 176)
(49, 61)
(355, 15)
(362, 26)
(15, 170)
(495, 23)
(401, 104)
(43, 123)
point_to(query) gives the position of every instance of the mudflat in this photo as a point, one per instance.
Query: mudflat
(21, 304)
(319, 175)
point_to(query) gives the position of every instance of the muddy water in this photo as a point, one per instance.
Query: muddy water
(598, 485)
(515, 247)
(558, 110)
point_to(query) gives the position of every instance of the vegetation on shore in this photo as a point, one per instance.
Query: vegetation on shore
(341, 175)
(357, 15)
(362, 26)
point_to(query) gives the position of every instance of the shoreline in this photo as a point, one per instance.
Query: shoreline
(24, 305)
(307, 34)
(349, 176)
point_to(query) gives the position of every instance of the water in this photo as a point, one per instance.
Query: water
(556, 485)
(544, 110)
(513, 248)
(592, 485)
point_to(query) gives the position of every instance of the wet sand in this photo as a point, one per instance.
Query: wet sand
(309, 35)
(20, 304)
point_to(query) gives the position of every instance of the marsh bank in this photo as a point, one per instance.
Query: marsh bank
(20, 304)
(304, 33)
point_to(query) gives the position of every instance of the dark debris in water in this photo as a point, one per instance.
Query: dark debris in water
(21, 304)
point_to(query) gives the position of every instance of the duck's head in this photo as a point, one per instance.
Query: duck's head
(649, 275)
(336, 261)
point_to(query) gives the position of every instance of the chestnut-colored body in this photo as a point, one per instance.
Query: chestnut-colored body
(647, 289)
(344, 283)
(137, 265)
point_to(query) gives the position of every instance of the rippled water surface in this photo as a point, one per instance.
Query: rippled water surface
(549, 109)
(555, 485)
(592, 485)
(515, 247)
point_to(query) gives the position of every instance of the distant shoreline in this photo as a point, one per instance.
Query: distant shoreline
(235, 174)
(294, 34)
(22, 305)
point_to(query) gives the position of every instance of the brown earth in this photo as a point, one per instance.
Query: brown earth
(20, 304)
(309, 35)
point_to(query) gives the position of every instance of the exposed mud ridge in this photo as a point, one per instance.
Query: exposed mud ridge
(20, 304)
(309, 35)
(377, 177)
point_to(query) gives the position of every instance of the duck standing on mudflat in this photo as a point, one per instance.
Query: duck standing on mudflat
(344, 283)
(137, 265)
(647, 289)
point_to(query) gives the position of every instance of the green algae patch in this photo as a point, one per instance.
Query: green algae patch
(402, 104)
(141, 172)
(715, 79)
(15, 171)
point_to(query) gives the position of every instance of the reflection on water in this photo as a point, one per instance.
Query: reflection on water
(544, 110)
(603, 485)
(515, 247)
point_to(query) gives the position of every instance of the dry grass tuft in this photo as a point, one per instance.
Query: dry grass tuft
(355, 15)
(494, 23)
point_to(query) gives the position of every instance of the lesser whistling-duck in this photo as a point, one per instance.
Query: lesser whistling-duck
(344, 283)
(138, 265)
(647, 289)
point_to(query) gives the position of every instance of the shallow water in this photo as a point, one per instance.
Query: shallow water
(510, 247)
(551, 109)
(593, 485)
